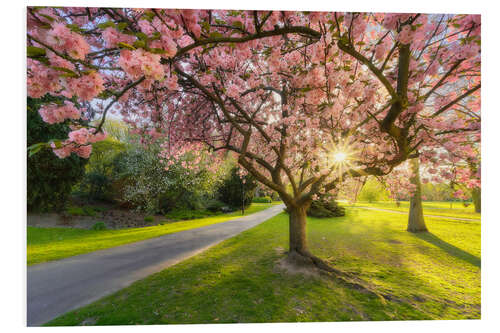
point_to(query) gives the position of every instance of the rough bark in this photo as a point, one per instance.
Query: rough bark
(298, 220)
(416, 221)
(476, 199)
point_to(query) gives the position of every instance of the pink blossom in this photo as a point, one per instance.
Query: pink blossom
(52, 113)
(80, 136)
(83, 151)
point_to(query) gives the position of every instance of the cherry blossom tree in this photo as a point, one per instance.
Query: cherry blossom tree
(305, 101)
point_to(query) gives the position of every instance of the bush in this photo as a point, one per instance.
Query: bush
(99, 226)
(262, 200)
(149, 218)
(81, 211)
(49, 178)
(234, 192)
(215, 206)
(186, 214)
(97, 181)
(142, 182)
(275, 196)
(94, 185)
(325, 207)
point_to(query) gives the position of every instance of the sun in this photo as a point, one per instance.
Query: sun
(339, 157)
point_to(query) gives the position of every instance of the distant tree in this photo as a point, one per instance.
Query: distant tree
(238, 189)
(373, 190)
(98, 179)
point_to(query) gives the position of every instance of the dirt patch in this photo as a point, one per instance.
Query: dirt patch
(285, 265)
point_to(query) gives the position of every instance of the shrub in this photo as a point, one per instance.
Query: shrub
(186, 214)
(275, 196)
(99, 226)
(81, 211)
(144, 184)
(99, 209)
(97, 181)
(149, 218)
(215, 206)
(233, 190)
(325, 206)
(262, 199)
(49, 178)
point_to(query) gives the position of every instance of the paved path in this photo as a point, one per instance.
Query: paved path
(57, 287)
(406, 213)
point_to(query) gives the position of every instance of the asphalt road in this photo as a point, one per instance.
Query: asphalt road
(57, 287)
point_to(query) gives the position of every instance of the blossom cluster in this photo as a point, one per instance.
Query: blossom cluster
(53, 113)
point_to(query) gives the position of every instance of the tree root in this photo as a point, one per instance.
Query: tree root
(305, 259)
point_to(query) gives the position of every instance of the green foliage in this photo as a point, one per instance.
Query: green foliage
(325, 206)
(215, 206)
(275, 196)
(437, 192)
(187, 214)
(141, 181)
(235, 191)
(99, 226)
(97, 181)
(49, 178)
(373, 190)
(81, 211)
(265, 199)
(149, 218)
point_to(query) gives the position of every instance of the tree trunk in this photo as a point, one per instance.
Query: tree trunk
(298, 220)
(416, 221)
(476, 199)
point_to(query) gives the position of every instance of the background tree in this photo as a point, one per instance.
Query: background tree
(238, 189)
(373, 190)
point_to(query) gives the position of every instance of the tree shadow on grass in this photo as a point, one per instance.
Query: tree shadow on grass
(450, 249)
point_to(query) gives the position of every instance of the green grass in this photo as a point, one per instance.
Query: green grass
(46, 244)
(431, 276)
(439, 208)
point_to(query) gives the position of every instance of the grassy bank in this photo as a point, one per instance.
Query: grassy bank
(46, 244)
(430, 276)
(440, 208)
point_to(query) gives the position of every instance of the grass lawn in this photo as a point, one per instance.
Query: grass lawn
(46, 244)
(431, 276)
(440, 208)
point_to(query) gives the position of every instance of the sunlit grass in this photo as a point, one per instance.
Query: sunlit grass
(430, 275)
(46, 244)
(440, 208)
